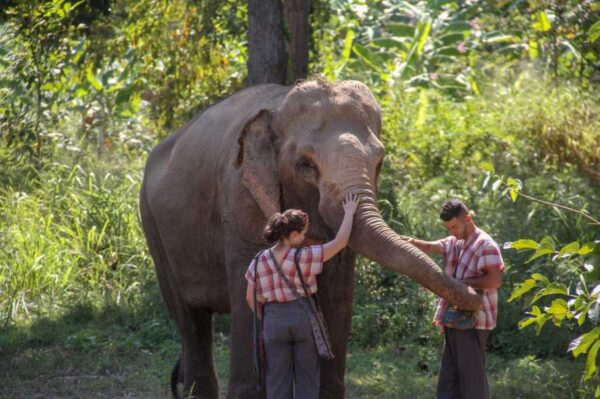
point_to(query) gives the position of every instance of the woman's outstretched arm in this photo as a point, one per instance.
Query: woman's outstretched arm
(350, 203)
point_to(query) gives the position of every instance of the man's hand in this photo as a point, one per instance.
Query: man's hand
(432, 247)
(408, 239)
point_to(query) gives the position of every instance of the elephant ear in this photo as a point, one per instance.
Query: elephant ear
(256, 159)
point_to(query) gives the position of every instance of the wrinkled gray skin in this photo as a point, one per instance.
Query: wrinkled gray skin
(209, 188)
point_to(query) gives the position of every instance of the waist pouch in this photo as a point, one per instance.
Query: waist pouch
(459, 319)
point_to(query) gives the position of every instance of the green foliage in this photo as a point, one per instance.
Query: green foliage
(35, 48)
(85, 94)
(576, 304)
(388, 308)
(553, 34)
(452, 46)
(177, 51)
(435, 148)
(75, 236)
(594, 32)
(146, 66)
(418, 43)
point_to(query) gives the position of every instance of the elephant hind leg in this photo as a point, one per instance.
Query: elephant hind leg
(196, 363)
(200, 380)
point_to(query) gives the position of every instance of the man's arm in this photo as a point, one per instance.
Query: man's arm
(492, 278)
(490, 264)
(431, 247)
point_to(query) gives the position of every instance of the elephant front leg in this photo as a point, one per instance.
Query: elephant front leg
(242, 379)
(336, 287)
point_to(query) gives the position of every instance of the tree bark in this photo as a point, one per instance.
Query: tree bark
(295, 14)
(266, 47)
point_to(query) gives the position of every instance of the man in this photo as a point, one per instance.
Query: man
(472, 257)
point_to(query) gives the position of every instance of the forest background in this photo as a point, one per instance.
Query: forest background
(492, 102)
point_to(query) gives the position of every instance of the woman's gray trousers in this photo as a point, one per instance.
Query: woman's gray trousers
(292, 361)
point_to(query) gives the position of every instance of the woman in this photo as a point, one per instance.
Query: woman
(289, 343)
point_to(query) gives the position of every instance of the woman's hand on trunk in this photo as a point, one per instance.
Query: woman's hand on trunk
(349, 203)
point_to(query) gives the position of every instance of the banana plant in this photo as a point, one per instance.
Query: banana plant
(420, 44)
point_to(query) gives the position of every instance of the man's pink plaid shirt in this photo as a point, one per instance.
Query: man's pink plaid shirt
(470, 259)
(270, 285)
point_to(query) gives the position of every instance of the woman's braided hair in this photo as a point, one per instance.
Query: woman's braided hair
(281, 225)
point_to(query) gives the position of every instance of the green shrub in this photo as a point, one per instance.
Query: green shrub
(435, 147)
(74, 236)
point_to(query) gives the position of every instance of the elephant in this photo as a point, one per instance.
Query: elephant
(209, 188)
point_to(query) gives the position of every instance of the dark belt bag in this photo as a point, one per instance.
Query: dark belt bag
(459, 319)
(454, 317)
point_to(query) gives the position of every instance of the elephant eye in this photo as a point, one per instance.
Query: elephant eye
(307, 168)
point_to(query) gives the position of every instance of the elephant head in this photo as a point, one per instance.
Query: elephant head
(322, 141)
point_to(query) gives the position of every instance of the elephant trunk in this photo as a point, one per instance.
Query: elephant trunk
(373, 238)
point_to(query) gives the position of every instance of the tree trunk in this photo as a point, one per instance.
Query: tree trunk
(266, 47)
(295, 14)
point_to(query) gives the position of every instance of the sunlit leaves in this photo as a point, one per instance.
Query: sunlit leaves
(348, 41)
(590, 363)
(559, 311)
(36, 40)
(522, 288)
(524, 244)
(370, 58)
(578, 305)
(89, 73)
(547, 246)
(569, 305)
(582, 343)
(587, 248)
(537, 317)
(500, 38)
(587, 343)
(594, 32)
(541, 22)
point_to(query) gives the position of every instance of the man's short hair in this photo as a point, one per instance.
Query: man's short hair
(453, 208)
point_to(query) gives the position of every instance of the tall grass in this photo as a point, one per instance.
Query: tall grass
(73, 236)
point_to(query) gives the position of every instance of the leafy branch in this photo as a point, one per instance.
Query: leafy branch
(514, 187)
(576, 304)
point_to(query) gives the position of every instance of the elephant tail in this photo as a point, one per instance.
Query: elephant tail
(175, 379)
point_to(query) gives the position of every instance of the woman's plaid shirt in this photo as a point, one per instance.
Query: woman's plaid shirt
(270, 285)
(469, 260)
